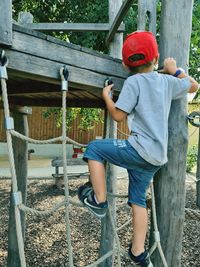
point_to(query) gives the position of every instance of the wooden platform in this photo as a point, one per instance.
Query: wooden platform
(34, 63)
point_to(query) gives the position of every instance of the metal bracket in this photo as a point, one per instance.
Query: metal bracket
(193, 116)
(9, 123)
(64, 86)
(17, 197)
(108, 81)
(3, 64)
(157, 236)
(64, 74)
(3, 72)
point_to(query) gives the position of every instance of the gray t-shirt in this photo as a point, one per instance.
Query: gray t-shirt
(147, 99)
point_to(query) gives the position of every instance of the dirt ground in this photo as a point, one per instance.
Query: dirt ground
(46, 244)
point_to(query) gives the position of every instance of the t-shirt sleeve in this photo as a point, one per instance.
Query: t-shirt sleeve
(128, 97)
(180, 87)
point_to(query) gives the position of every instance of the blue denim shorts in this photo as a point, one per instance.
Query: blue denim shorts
(121, 153)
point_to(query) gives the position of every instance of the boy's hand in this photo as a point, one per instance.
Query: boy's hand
(170, 66)
(107, 91)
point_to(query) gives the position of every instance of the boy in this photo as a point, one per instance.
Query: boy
(145, 100)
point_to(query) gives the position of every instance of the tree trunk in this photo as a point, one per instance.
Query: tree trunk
(198, 173)
(176, 18)
(107, 236)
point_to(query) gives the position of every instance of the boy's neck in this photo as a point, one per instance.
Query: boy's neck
(147, 69)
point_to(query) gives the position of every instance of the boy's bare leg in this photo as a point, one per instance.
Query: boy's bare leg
(140, 220)
(97, 177)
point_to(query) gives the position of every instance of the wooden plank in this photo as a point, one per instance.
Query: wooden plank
(198, 174)
(54, 40)
(170, 181)
(22, 110)
(56, 102)
(74, 27)
(20, 148)
(147, 11)
(39, 69)
(118, 19)
(46, 49)
(6, 22)
(107, 235)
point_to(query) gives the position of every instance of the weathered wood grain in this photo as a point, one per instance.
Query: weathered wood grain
(20, 148)
(110, 131)
(31, 67)
(37, 58)
(147, 9)
(47, 49)
(6, 22)
(170, 181)
(198, 174)
(118, 19)
(74, 27)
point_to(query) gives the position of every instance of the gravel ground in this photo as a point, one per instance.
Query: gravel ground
(46, 237)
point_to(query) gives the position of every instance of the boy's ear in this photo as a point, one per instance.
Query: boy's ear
(157, 58)
(125, 66)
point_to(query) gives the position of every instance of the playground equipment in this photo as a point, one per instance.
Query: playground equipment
(29, 85)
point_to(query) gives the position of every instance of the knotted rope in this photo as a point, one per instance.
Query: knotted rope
(117, 250)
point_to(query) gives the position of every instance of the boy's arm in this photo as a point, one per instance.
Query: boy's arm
(170, 67)
(117, 114)
(194, 85)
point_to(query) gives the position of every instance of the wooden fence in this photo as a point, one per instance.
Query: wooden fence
(42, 128)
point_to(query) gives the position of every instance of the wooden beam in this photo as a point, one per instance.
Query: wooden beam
(198, 174)
(74, 27)
(34, 89)
(110, 131)
(56, 102)
(21, 110)
(6, 22)
(118, 19)
(40, 69)
(170, 181)
(40, 45)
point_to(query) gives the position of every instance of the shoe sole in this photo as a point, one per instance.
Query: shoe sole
(151, 265)
(86, 204)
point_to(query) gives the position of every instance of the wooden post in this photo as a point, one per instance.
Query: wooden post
(107, 236)
(147, 9)
(20, 148)
(6, 22)
(25, 17)
(198, 174)
(170, 181)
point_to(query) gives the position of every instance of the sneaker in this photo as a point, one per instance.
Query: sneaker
(143, 260)
(86, 196)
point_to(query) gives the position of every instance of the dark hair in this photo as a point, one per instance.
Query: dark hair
(138, 69)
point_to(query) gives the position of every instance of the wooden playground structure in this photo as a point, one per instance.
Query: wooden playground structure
(34, 63)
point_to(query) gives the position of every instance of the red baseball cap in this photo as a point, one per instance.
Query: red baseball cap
(142, 43)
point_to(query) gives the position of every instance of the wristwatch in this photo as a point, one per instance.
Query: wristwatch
(178, 72)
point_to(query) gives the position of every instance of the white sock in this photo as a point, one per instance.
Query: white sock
(95, 198)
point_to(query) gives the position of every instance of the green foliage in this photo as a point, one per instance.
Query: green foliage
(130, 20)
(191, 158)
(76, 11)
(194, 65)
(88, 116)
